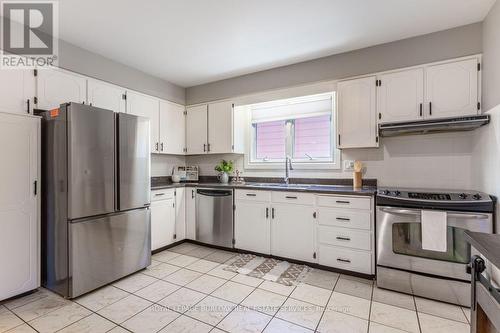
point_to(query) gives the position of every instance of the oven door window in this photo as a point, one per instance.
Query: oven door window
(407, 240)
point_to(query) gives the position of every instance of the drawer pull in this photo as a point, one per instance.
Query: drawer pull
(343, 202)
(251, 195)
(343, 260)
(343, 219)
(291, 197)
(343, 238)
(159, 194)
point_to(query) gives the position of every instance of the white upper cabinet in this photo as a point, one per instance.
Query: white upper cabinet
(172, 128)
(149, 107)
(106, 96)
(357, 123)
(400, 96)
(17, 91)
(220, 127)
(196, 129)
(452, 89)
(56, 86)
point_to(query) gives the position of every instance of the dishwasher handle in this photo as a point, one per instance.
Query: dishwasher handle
(214, 193)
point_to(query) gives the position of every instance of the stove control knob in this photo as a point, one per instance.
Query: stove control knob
(462, 196)
(386, 192)
(477, 196)
(397, 193)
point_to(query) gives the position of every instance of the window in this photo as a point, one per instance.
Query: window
(301, 128)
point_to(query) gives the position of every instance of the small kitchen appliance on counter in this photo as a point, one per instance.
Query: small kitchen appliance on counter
(187, 173)
(421, 245)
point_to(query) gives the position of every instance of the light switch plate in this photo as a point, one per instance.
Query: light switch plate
(348, 165)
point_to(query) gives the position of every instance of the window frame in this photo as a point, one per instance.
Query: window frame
(304, 164)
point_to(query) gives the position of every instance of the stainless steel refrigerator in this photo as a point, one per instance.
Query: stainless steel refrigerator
(95, 197)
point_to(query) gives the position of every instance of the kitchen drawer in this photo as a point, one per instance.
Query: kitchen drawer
(165, 194)
(253, 195)
(351, 260)
(355, 239)
(298, 198)
(345, 218)
(339, 201)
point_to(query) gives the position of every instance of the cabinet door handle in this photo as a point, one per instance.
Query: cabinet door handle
(159, 194)
(192, 194)
(156, 146)
(430, 108)
(204, 147)
(251, 195)
(421, 109)
(208, 147)
(343, 238)
(162, 146)
(267, 212)
(343, 219)
(272, 213)
(291, 197)
(28, 104)
(343, 202)
(343, 260)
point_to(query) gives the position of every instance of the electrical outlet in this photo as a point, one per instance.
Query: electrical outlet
(348, 165)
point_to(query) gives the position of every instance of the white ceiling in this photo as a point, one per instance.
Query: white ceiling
(190, 42)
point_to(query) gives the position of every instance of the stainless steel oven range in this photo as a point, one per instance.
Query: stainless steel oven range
(402, 263)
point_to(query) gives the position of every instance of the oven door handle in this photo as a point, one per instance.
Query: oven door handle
(400, 211)
(469, 216)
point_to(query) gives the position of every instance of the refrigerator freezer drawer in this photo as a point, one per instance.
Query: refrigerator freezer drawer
(108, 248)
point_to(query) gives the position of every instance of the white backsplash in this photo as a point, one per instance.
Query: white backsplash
(162, 165)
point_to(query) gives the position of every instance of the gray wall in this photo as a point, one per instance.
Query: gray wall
(461, 41)
(491, 60)
(79, 60)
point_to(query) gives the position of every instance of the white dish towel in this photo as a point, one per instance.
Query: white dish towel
(434, 230)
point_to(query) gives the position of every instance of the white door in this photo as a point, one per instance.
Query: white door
(357, 123)
(196, 129)
(252, 228)
(190, 196)
(106, 96)
(172, 128)
(149, 107)
(19, 205)
(400, 96)
(180, 214)
(292, 229)
(452, 89)
(220, 128)
(17, 89)
(56, 86)
(162, 223)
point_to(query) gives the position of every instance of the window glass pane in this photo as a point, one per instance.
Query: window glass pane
(313, 137)
(270, 140)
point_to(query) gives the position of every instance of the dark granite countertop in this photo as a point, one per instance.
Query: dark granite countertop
(487, 244)
(299, 185)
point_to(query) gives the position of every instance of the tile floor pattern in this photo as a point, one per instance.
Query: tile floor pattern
(186, 290)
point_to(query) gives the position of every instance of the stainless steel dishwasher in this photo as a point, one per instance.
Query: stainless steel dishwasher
(214, 216)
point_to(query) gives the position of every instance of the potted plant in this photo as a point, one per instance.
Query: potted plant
(224, 168)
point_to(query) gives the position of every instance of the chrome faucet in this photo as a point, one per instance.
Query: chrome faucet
(288, 167)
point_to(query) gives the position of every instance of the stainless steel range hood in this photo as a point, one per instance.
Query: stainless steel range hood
(434, 126)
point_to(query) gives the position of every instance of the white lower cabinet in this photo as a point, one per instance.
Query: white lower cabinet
(252, 228)
(190, 196)
(162, 218)
(292, 229)
(180, 214)
(331, 230)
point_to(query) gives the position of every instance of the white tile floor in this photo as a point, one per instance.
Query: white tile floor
(186, 289)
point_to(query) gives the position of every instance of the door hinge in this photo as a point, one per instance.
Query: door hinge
(124, 97)
(314, 255)
(175, 236)
(478, 66)
(314, 214)
(35, 100)
(35, 187)
(233, 241)
(478, 106)
(35, 72)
